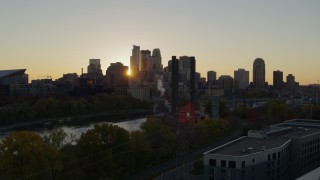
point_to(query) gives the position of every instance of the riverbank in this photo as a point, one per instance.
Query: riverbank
(115, 116)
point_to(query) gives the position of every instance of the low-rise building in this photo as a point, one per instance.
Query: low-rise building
(283, 151)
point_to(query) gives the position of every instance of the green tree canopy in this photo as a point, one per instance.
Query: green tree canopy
(25, 155)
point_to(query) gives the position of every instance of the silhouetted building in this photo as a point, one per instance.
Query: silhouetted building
(226, 83)
(170, 66)
(94, 67)
(259, 73)
(291, 83)
(134, 61)
(241, 79)
(43, 88)
(175, 84)
(154, 65)
(193, 80)
(117, 77)
(9, 77)
(211, 77)
(278, 79)
(141, 93)
(144, 55)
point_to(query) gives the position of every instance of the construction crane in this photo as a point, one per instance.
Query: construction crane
(47, 76)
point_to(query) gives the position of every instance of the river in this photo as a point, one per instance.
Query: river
(76, 131)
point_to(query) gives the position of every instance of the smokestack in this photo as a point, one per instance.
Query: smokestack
(174, 84)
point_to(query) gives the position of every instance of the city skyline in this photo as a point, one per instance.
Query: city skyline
(56, 38)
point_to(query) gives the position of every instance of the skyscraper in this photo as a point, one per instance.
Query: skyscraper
(174, 84)
(144, 55)
(259, 73)
(241, 78)
(211, 77)
(290, 81)
(135, 61)
(192, 80)
(278, 79)
(94, 66)
(154, 61)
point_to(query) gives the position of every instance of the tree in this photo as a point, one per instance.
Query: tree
(162, 138)
(25, 155)
(103, 150)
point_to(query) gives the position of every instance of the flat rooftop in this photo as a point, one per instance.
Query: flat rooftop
(295, 132)
(247, 145)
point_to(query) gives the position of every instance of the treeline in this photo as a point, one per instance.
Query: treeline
(30, 109)
(107, 151)
(276, 111)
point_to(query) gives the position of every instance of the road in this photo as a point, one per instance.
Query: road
(175, 170)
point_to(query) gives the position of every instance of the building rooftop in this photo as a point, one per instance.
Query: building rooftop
(247, 145)
(295, 132)
(6, 73)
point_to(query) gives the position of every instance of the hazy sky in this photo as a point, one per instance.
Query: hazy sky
(60, 36)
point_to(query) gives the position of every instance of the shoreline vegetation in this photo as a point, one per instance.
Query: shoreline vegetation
(106, 151)
(24, 111)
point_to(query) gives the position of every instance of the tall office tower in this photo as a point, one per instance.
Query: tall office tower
(134, 61)
(174, 84)
(192, 80)
(144, 55)
(241, 78)
(211, 77)
(156, 52)
(291, 81)
(259, 73)
(170, 66)
(278, 79)
(94, 66)
(154, 61)
(184, 62)
(226, 83)
(116, 75)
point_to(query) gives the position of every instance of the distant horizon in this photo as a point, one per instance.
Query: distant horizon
(58, 37)
(45, 75)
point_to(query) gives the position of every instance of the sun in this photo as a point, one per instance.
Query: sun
(129, 72)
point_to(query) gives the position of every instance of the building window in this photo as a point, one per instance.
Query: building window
(243, 164)
(253, 160)
(211, 171)
(274, 156)
(223, 163)
(212, 162)
(269, 157)
(232, 164)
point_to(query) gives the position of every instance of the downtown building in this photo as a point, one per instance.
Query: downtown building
(14, 82)
(241, 79)
(283, 151)
(278, 79)
(259, 74)
(145, 71)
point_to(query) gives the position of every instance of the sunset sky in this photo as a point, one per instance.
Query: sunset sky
(56, 37)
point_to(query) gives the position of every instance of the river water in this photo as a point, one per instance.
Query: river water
(76, 131)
